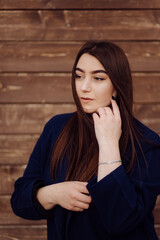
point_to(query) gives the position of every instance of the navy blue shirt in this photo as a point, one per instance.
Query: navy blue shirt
(122, 204)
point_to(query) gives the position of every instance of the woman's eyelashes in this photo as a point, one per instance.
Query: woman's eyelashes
(78, 76)
(96, 78)
(99, 78)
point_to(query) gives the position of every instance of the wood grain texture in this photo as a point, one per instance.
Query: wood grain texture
(83, 4)
(56, 88)
(80, 25)
(59, 57)
(33, 232)
(146, 88)
(7, 216)
(37, 56)
(156, 213)
(157, 228)
(9, 174)
(35, 88)
(30, 118)
(23, 232)
(16, 149)
(149, 115)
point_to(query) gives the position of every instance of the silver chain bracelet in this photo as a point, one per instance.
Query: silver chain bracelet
(110, 162)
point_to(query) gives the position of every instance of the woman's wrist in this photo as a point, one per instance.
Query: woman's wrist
(106, 148)
(47, 197)
(108, 144)
(110, 162)
(109, 153)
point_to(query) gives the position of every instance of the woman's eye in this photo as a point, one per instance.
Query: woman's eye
(99, 79)
(77, 76)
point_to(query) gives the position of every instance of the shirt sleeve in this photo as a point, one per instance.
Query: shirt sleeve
(22, 198)
(123, 201)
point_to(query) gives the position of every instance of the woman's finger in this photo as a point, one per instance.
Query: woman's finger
(108, 111)
(77, 209)
(95, 117)
(82, 183)
(82, 205)
(84, 198)
(115, 108)
(101, 111)
(83, 189)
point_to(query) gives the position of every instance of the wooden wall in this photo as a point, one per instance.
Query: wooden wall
(38, 43)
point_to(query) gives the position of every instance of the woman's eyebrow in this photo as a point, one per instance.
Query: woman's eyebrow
(96, 71)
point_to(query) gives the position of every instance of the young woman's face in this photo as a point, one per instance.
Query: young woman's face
(93, 86)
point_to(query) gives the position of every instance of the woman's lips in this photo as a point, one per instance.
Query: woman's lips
(86, 100)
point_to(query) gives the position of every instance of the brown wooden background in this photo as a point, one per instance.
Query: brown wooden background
(38, 43)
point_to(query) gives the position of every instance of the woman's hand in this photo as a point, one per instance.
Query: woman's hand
(68, 194)
(71, 195)
(107, 123)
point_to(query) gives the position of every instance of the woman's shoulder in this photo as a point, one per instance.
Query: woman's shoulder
(150, 139)
(147, 132)
(150, 145)
(57, 121)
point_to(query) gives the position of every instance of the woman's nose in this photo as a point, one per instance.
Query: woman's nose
(86, 86)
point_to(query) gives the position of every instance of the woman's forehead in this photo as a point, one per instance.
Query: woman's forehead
(89, 63)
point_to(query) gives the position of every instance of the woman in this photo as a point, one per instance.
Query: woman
(94, 173)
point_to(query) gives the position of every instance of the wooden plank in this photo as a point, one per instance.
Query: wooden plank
(8, 217)
(59, 57)
(37, 57)
(56, 88)
(83, 4)
(16, 149)
(79, 25)
(9, 174)
(157, 214)
(23, 232)
(157, 228)
(146, 88)
(158, 201)
(35, 88)
(32, 233)
(30, 118)
(149, 115)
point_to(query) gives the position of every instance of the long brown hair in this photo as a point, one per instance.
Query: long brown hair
(77, 141)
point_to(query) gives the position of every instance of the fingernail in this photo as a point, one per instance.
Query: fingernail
(113, 98)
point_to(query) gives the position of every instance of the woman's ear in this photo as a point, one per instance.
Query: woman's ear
(114, 94)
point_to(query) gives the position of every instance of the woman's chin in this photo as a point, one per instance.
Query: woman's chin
(89, 110)
(92, 110)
